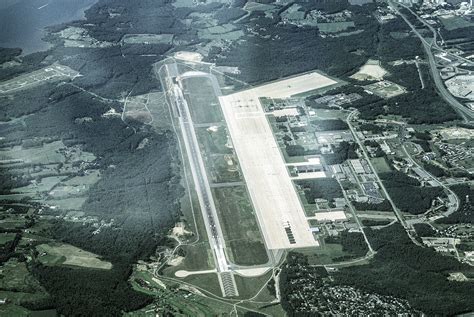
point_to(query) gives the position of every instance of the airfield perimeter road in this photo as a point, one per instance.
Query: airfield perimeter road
(464, 112)
(201, 184)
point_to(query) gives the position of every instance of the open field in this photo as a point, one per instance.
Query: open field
(239, 225)
(64, 254)
(370, 71)
(385, 89)
(213, 140)
(453, 22)
(20, 286)
(292, 86)
(136, 109)
(334, 27)
(55, 72)
(380, 164)
(180, 297)
(202, 100)
(6, 237)
(281, 217)
(223, 168)
(148, 38)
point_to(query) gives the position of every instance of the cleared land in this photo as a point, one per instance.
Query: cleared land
(291, 86)
(55, 72)
(275, 200)
(370, 71)
(385, 89)
(64, 254)
(148, 38)
(136, 109)
(461, 86)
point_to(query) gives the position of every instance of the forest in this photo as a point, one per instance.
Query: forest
(320, 188)
(465, 213)
(341, 152)
(407, 194)
(418, 274)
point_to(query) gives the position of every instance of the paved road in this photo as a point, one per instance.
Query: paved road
(397, 211)
(464, 112)
(201, 183)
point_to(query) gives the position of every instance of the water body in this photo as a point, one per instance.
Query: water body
(22, 22)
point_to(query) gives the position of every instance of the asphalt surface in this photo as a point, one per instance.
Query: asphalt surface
(464, 112)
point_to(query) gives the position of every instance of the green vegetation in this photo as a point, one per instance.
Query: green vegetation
(63, 254)
(89, 292)
(330, 125)
(380, 164)
(407, 194)
(418, 274)
(352, 242)
(320, 188)
(383, 206)
(465, 213)
(375, 222)
(202, 100)
(342, 152)
(240, 226)
(424, 230)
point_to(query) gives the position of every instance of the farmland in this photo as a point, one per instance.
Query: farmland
(64, 254)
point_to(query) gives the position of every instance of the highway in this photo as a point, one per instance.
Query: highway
(464, 112)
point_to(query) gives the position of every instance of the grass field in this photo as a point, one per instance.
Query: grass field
(181, 300)
(64, 254)
(239, 225)
(455, 22)
(13, 310)
(213, 140)
(249, 287)
(334, 27)
(223, 168)
(326, 254)
(6, 237)
(380, 164)
(202, 101)
(19, 288)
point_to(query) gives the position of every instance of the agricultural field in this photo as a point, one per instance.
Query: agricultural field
(6, 237)
(79, 37)
(18, 285)
(68, 255)
(225, 31)
(148, 38)
(240, 225)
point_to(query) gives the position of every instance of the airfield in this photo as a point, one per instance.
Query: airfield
(248, 201)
